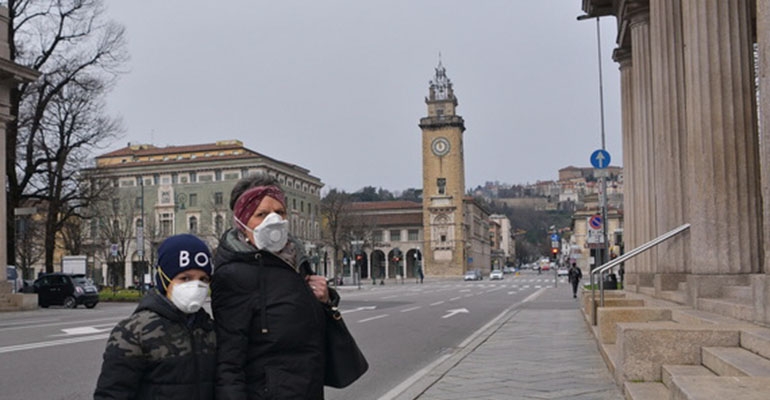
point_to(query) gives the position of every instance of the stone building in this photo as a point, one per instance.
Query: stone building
(695, 102)
(12, 74)
(162, 191)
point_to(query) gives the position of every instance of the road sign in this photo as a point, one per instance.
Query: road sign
(595, 222)
(600, 159)
(114, 249)
(554, 237)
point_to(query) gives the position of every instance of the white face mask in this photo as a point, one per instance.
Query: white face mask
(189, 296)
(272, 234)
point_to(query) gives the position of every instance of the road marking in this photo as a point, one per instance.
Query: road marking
(455, 312)
(410, 309)
(84, 330)
(13, 328)
(358, 309)
(437, 303)
(372, 318)
(59, 342)
(454, 298)
(465, 290)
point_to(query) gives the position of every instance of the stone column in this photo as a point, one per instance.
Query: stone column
(763, 47)
(761, 283)
(722, 143)
(668, 112)
(644, 159)
(623, 57)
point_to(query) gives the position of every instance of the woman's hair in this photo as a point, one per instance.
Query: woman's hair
(249, 182)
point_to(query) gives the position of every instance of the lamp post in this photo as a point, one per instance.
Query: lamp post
(140, 236)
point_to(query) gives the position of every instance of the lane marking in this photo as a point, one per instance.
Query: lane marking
(455, 312)
(455, 298)
(51, 343)
(358, 309)
(410, 309)
(437, 303)
(13, 328)
(372, 318)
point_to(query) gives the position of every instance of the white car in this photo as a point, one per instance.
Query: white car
(562, 271)
(496, 274)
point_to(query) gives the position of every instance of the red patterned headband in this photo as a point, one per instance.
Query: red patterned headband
(248, 202)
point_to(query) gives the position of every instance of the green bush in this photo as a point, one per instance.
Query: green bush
(121, 295)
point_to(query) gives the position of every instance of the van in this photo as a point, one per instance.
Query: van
(14, 277)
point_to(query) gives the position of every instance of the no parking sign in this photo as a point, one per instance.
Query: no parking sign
(595, 222)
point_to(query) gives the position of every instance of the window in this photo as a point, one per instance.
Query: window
(441, 183)
(294, 204)
(219, 225)
(165, 179)
(115, 226)
(115, 205)
(138, 202)
(127, 182)
(165, 197)
(166, 228)
(155, 179)
(395, 235)
(217, 175)
(193, 199)
(205, 178)
(218, 199)
(377, 236)
(302, 206)
(231, 176)
(94, 228)
(193, 224)
(193, 177)
(174, 178)
(443, 238)
(413, 235)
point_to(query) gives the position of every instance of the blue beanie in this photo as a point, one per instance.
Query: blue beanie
(180, 253)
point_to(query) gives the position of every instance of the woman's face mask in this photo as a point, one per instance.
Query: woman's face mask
(272, 234)
(189, 296)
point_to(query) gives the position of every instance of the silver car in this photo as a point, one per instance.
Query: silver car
(496, 274)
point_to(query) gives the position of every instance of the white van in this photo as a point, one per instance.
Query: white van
(13, 276)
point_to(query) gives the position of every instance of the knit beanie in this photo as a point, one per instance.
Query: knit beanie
(180, 253)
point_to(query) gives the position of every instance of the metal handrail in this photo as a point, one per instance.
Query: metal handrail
(633, 253)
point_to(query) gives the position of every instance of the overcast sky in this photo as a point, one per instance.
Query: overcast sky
(339, 87)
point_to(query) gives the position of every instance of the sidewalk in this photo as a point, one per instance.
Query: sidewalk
(541, 349)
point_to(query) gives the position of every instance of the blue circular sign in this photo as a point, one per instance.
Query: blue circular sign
(595, 222)
(600, 159)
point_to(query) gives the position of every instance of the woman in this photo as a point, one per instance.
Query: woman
(166, 349)
(268, 306)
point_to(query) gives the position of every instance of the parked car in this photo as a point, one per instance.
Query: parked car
(509, 270)
(66, 290)
(562, 271)
(473, 275)
(496, 274)
(14, 277)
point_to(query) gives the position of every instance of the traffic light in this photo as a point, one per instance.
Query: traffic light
(359, 257)
(554, 252)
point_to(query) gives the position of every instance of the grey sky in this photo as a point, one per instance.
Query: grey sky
(338, 87)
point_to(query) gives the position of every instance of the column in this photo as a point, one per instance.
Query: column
(722, 141)
(668, 113)
(763, 47)
(644, 159)
(630, 223)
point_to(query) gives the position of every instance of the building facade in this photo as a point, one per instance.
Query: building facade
(157, 192)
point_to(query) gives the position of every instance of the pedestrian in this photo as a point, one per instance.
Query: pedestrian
(270, 310)
(574, 275)
(166, 349)
(422, 276)
(621, 272)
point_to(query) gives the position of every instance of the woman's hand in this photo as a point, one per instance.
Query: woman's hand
(318, 286)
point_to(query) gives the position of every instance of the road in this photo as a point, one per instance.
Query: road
(56, 353)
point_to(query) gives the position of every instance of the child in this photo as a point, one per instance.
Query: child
(167, 348)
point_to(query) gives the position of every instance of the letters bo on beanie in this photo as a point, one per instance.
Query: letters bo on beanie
(180, 253)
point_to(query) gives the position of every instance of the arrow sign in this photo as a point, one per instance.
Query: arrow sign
(600, 159)
(358, 309)
(456, 311)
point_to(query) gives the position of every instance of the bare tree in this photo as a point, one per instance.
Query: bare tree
(116, 227)
(61, 118)
(334, 210)
(29, 250)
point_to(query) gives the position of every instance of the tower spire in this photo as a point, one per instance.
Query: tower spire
(440, 85)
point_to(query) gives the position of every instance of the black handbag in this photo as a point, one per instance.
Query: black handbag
(344, 361)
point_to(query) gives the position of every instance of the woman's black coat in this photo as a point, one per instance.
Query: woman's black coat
(270, 326)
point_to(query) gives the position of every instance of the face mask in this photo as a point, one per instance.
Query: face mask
(189, 296)
(272, 234)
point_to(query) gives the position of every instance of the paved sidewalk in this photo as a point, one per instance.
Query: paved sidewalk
(541, 349)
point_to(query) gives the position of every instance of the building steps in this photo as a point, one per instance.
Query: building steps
(645, 391)
(734, 361)
(734, 308)
(736, 369)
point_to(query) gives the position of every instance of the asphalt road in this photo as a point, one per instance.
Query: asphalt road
(56, 353)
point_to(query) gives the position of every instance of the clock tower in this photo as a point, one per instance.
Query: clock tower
(443, 180)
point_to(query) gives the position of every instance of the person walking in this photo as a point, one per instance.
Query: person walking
(269, 307)
(575, 275)
(166, 349)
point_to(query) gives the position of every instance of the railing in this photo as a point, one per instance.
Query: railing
(633, 253)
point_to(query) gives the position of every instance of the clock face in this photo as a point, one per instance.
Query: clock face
(440, 146)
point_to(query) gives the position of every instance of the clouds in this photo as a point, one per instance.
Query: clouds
(339, 86)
